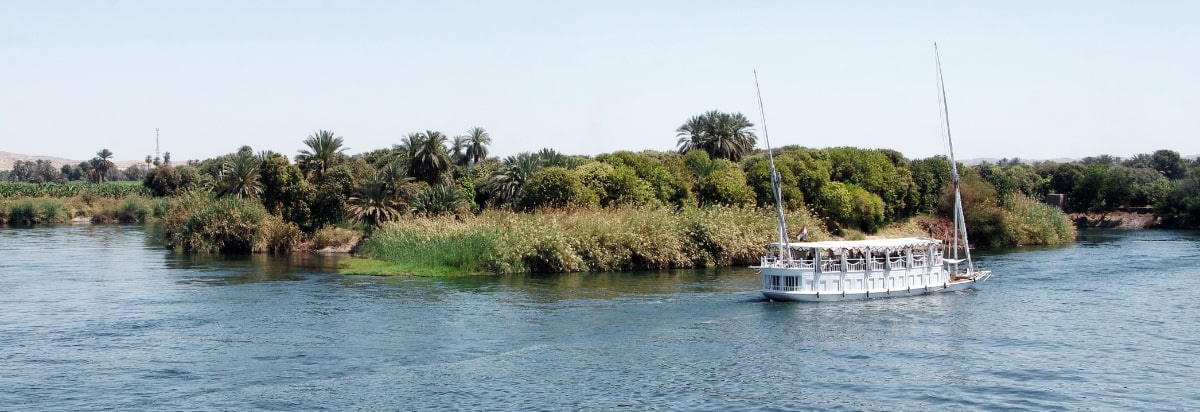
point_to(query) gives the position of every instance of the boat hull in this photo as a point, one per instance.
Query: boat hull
(830, 296)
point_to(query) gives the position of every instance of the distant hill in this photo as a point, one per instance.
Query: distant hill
(7, 159)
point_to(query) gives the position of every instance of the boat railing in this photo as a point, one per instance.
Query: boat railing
(855, 265)
(918, 261)
(801, 263)
(896, 263)
(787, 263)
(875, 264)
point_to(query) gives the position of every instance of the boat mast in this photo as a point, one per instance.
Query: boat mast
(783, 232)
(960, 224)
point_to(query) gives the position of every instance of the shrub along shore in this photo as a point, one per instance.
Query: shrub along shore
(501, 242)
(26, 211)
(638, 239)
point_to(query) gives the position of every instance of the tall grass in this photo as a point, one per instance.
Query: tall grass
(334, 237)
(499, 242)
(1030, 222)
(198, 222)
(431, 253)
(84, 206)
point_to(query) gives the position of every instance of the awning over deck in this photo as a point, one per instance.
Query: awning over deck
(874, 244)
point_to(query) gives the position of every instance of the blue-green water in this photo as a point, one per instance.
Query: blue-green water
(100, 317)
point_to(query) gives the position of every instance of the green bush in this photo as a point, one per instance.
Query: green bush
(52, 210)
(726, 187)
(199, 223)
(597, 176)
(666, 173)
(866, 210)
(556, 187)
(834, 203)
(440, 200)
(1030, 222)
(169, 180)
(579, 240)
(134, 210)
(758, 176)
(22, 213)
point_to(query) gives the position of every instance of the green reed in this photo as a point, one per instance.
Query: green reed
(574, 241)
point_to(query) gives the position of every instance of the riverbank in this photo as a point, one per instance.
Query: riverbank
(1128, 219)
(501, 242)
(83, 207)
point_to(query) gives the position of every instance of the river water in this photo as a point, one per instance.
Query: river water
(103, 318)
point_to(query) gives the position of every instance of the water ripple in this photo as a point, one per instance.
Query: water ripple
(119, 323)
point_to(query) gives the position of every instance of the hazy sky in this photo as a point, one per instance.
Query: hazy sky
(1036, 79)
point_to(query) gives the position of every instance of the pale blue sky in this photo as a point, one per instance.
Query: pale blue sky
(1030, 79)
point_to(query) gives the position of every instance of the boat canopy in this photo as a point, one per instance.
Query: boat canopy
(891, 244)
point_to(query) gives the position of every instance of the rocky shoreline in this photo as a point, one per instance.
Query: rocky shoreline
(1118, 219)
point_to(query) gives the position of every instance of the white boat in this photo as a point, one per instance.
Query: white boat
(864, 269)
(861, 269)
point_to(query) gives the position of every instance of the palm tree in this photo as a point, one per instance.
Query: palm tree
(394, 171)
(410, 144)
(430, 160)
(94, 170)
(722, 135)
(478, 141)
(505, 185)
(704, 167)
(166, 158)
(373, 204)
(735, 138)
(383, 197)
(691, 134)
(457, 151)
(439, 200)
(240, 176)
(148, 160)
(552, 158)
(399, 183)
(102, 165)
(323, 150)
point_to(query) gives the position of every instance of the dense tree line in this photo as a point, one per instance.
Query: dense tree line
(428, 173)
(98, 170)
(1162, 181)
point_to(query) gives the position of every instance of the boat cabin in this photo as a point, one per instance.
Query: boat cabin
(856, 255)
(853, 266)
